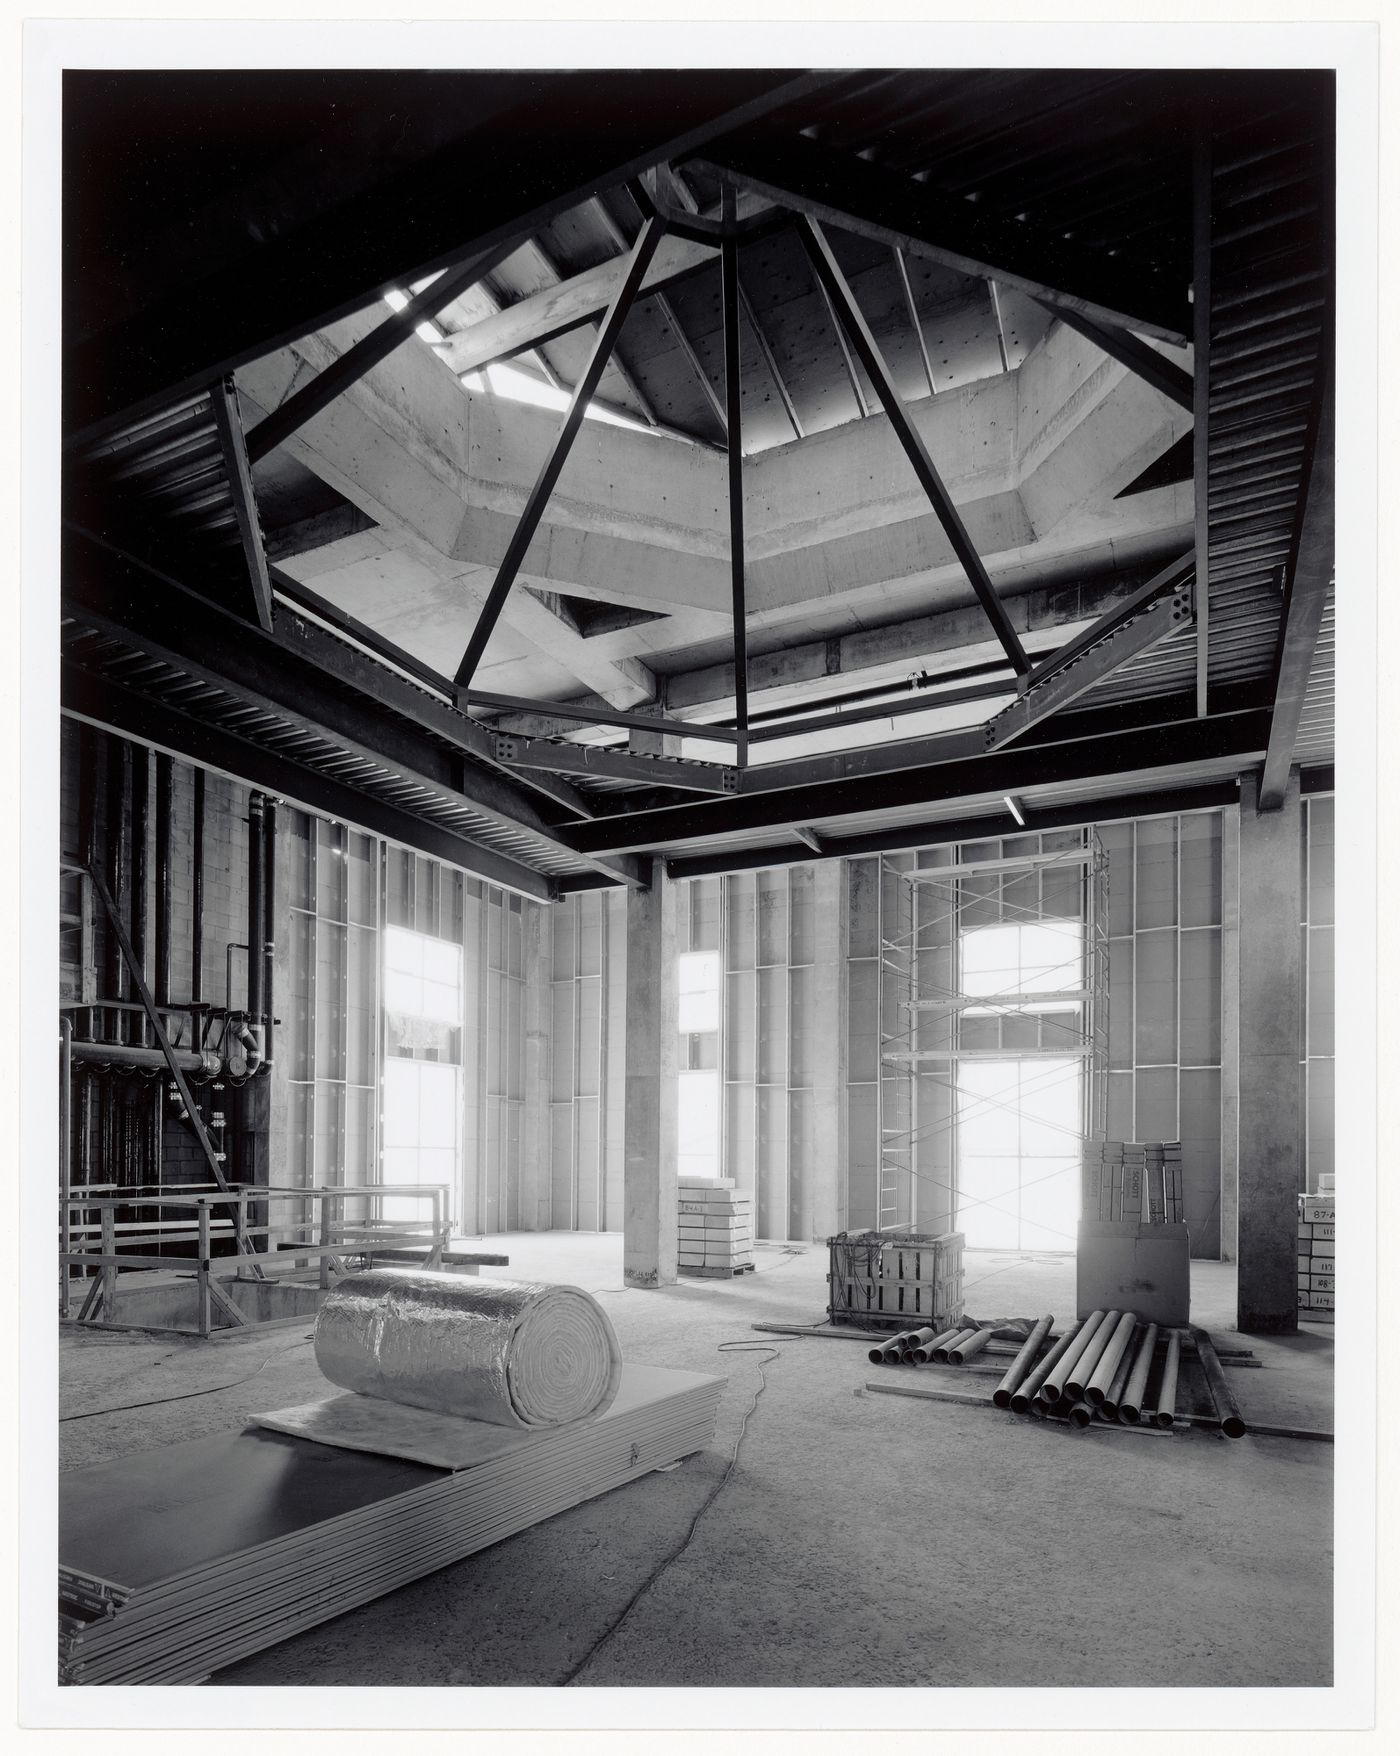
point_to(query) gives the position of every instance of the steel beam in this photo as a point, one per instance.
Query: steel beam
(642, 252)
(1239, 738)
(298, 670)
(223, 399)
(1201, 192)
(844, 190)
(828, 273)
(1305, 598)
(945, 831)
(300, 262)
(100, 702)
(352, 365)
(589, 714)
(1122, 345)
(1169, 577)
(658, 771)
(1067, 682)
(732, 293)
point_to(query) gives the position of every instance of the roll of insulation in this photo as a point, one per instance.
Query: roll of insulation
(519, 1354)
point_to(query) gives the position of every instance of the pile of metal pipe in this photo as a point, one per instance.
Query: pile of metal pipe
(1101, 1369)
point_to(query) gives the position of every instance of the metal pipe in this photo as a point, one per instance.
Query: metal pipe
(269, 920)
(256, 924)
(131, 1055)
(1113, 1396)
(963, 1349)
(65, 1152)
(941, 1352)
(1052, 1387)
(140, 837)
(887, 1352)
(1166, 1395)
(1130, 1403)
(1080, 1413)
(1114, 1349)
(197, 892)
(1025, 1393)
(916, 1338)
(926, 1349)
(1231, 1421)
(1018, 1368)
(165, 794)
(1077, 1382)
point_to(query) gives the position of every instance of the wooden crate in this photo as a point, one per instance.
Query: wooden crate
(879, 1282)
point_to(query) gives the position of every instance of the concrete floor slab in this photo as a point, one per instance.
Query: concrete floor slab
(857, 1539)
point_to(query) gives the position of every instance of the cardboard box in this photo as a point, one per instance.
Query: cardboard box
(1128, 1266)
(1324, 1231)
(1324, 1247)
(1317, 1208)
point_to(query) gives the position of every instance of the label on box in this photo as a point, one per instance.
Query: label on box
(1323, 1283)
(1322, 1301)
(1324, 1231)
(1317, 1207)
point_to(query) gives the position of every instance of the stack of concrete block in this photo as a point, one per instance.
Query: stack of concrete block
(1133, 1180)
(1317, 1258)
(715, 1227)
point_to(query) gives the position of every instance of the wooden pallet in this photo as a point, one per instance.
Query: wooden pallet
(722, 1273)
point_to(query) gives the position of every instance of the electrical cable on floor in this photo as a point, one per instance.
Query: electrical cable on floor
(705, 1505)
(183, 1395)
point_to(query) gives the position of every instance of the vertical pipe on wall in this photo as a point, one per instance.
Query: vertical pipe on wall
(197, 891)
(269, 919)
(165, 793)
(256, 922)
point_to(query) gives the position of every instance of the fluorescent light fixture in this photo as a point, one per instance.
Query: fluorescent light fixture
(1013, 808)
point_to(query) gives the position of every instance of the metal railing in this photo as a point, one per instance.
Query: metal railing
(330, 1238)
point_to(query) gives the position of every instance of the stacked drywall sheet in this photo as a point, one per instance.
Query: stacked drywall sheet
(1317, 1258)
(714, 1227)
(175, 1563)
(1133, 1180)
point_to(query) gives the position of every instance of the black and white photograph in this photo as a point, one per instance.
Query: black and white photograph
(700, 815)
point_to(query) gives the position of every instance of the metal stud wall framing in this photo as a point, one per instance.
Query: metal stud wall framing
(331, 1039)
(1166, 1072)
(587, 1020)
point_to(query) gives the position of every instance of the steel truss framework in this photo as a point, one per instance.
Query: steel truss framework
(906, 216)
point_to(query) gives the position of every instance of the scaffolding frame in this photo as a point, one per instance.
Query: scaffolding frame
(929, 905)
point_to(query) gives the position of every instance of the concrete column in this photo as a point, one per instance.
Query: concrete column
(828, 1036)
(1270, 1076)
(1230, 1033)
(536, 1140)
(652, 1060)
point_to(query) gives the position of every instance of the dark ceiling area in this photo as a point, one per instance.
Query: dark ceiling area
(1022, 487)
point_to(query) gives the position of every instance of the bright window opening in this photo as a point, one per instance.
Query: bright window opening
(1024, 967)
(422, 976)
(422, 1094)
(510, 382)
(698, 1093)
(1020, 1115)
